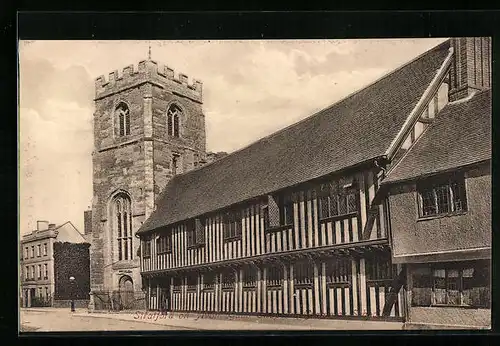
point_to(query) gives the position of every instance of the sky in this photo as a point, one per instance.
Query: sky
(250, 89)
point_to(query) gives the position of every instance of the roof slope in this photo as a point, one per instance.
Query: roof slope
(460, 135)
(358, 128)
(67, 232)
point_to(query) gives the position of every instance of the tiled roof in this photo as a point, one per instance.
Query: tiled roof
(460, 135)
(353, 130)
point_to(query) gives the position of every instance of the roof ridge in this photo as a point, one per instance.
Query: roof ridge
(345, 98)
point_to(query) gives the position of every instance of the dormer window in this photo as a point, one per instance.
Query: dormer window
(122, 120)
(173, 120)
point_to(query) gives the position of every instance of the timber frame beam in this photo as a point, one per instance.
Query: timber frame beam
(349, 249)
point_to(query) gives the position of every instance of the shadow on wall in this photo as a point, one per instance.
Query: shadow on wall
(71, 260)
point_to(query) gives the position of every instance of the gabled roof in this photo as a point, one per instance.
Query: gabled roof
(459, 136)
(356, 129)
(67, 232)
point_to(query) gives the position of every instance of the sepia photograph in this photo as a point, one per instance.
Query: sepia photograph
(206, 185)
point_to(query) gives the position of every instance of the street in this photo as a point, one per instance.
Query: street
(65, 321)
(55, 320)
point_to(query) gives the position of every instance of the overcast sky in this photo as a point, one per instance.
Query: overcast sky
(250, 89)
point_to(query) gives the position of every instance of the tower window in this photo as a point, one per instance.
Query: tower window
(122, 120)
(173, 118)
(123, 227)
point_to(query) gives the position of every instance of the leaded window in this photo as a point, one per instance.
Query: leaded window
(122, 120)
(443, 195)
(338, 198)
(173, 120)
(123, 227)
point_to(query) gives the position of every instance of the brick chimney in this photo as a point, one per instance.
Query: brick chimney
(471, 69)
(52, 225)
(42, 225)
(87, 222)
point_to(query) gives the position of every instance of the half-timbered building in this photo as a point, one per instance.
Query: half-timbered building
(295, 224)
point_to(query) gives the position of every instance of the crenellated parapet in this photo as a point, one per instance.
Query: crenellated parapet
(148, 71)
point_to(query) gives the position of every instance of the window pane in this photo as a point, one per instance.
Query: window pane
(121, 124)
(351, 203)
(443, 198)
(422, 287)
(342, 204)
(120, 249)
(125, 231)
(428, 203)
(170, 126)
(452, 288)
(334, 209)
(325, 208)
(459, 201)
(176, 125)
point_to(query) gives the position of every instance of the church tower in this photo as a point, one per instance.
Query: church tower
(148, 126)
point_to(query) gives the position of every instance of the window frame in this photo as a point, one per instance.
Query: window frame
(190, 234)
(460, 268)
(164, 243)
(189, 285)
(249, 281)
(335, 193)
(146, 251)
(228, 284)
(275, 282)
(174, 115)
(45, 252)
(285, 205)
(122, 120)
(338, 273)
(123, 227)
(455, 184)
(213, 280)
(232, 225)
(303, 273)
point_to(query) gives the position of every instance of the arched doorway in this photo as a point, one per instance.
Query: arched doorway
(126, 286)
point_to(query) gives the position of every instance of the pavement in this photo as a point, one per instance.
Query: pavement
(53, 319)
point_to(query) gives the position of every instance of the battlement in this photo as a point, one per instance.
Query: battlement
(146, 70)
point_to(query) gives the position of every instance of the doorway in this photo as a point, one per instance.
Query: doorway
(126, 287)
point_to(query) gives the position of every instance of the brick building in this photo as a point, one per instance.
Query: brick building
(42, 264)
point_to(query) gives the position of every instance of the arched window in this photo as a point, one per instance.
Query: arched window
(173, 120)
(122, 120)
(122, 226)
